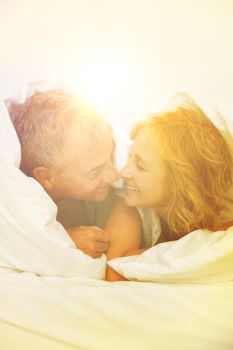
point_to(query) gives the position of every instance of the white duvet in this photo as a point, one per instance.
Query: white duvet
(201, 256)
(71, 313)
(52, 295)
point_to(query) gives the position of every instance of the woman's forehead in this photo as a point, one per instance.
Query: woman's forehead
(146, 139)
(146, 146)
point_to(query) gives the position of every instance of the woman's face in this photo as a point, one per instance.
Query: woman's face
(144, 174)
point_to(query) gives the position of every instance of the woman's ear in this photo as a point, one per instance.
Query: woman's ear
(45, 176)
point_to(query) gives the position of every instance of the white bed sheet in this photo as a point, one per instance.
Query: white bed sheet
(77, 313)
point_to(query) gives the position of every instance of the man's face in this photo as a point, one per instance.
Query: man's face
(87, 166)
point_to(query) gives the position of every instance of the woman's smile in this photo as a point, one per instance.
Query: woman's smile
(130, 188)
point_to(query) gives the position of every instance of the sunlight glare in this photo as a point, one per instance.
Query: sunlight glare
(102, 80)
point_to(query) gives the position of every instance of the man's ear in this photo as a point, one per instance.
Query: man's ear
(45, 176)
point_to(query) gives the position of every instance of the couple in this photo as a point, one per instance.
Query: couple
(176, 178)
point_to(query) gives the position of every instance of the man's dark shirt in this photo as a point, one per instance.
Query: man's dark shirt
(73, 212)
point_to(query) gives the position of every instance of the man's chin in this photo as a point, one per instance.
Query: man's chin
(100, 194)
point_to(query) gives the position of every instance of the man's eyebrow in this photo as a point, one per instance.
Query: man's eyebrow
(96, 168)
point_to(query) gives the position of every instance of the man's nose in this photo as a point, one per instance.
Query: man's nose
(111, 174)
(125, 172)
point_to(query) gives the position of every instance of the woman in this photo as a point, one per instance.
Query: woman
(177, 175)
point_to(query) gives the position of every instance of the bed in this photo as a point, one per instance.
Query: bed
(53, 296)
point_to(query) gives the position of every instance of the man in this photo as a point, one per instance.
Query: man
(69, 150)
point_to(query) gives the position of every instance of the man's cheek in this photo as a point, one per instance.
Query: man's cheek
(88, 186)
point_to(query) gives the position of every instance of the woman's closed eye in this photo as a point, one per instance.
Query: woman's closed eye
(140, 166)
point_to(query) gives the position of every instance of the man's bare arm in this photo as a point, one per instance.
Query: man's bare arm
(92, 240)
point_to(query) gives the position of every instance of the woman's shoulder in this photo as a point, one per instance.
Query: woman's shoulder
(150, 224)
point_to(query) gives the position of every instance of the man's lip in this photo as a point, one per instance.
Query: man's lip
(103, 187)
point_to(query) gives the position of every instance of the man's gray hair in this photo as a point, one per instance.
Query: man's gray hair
(42, 121)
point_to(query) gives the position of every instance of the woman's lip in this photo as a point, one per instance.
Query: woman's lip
(130, 188)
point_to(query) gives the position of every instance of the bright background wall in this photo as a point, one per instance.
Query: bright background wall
(126, 56)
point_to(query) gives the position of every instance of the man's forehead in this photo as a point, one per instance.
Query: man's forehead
(99, 157)
(87, 134)
(87, 148)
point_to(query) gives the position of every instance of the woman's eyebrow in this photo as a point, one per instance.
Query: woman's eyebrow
(143, 161)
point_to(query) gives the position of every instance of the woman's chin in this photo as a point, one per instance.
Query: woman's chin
(130, 201)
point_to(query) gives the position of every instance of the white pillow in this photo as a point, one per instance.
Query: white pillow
(30, 237)
(10, 150)
(199, 257)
